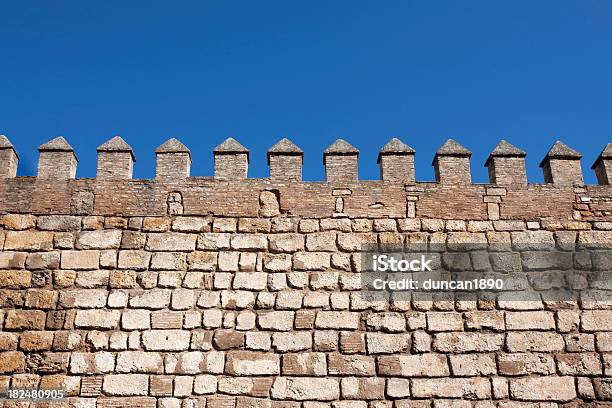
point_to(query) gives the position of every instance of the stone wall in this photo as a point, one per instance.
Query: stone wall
(227, 291)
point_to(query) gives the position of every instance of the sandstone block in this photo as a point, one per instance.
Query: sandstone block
(390, 322)
(80, 259)
(250, 280)
(305, 388)
(249, 242)
(190, 224)
(97, 319)
(205, 384)
(533, 320)
(304, 364)
(202, 261)
(12, 362)
(382, 343)
(18, 221)
(38, 260)
(526, 363)
(596, 320)
(166, 340)
(276, 320)
(548, 388)
(473, 364)
(100, 239)
(126, 384)
(534, 341)
(15, 279)
(151, 299)
(213, 241)
(17, 319)
(168, 261)
(476, 387)
(356, 365)
(171, 241)
(296, 341)
(337, 320)
(467, 342)
(249, 363)
(83, 298)
(58, 223)
(286, 243)
(139, 362)
(136, 319)
(228, 339)
(277, 262)
(419, 365)
(311, 261)
(28, 240)
(360, 388)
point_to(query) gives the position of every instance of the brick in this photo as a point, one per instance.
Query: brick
(137, 260)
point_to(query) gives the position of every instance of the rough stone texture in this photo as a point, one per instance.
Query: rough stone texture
(232, 292)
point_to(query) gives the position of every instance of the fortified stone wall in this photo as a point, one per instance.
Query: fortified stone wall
(236, 292)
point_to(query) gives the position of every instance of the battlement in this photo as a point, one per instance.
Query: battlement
(231, 193)
(506, 163)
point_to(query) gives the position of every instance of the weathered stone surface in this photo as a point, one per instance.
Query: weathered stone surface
(549, 388)
(305, 388)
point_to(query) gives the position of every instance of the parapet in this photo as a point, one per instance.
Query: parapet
(505, 164)
(230, 192)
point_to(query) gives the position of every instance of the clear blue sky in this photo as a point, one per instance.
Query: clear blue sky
(476, 71)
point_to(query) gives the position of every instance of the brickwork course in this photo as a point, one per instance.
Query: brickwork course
(225, 291)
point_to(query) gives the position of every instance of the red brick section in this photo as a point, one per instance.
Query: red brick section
(235, 292)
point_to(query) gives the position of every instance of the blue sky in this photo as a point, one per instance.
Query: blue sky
(479, 71)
